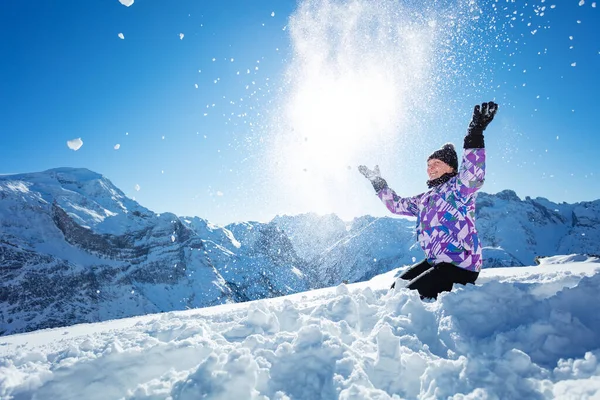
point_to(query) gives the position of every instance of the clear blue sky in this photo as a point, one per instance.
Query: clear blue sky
(292, 96)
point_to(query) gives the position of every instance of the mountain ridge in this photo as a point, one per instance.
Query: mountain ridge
(74, 248)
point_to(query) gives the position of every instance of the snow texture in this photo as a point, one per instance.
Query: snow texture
(75, 144)
(520, 333)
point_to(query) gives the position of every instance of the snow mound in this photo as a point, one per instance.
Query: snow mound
(519, 333)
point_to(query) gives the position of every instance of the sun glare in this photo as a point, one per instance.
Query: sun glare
(358, 73)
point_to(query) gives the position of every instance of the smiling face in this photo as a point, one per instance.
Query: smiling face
(437, 168)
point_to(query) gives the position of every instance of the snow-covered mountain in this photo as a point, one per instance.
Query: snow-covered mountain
(74, 248)
(525, 229)
(514, 232)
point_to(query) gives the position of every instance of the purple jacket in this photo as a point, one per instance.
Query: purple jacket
(446, 214)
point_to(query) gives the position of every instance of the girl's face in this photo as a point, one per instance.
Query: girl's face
(437, 168)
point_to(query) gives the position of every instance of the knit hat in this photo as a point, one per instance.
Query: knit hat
(446, 154)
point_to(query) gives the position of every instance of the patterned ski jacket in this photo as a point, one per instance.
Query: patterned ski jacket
(446, 214)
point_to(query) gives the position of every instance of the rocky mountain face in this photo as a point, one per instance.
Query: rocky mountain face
(74, 248)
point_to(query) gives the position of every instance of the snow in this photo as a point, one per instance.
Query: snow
(523, 332)
(75, 144)
(126, 3)
(121, 36)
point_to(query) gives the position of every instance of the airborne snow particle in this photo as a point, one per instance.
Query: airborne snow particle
(196, 85)
(581, 2)
(126, 3)
(75, 144)
(573, 64)
(172, 238)
(117, 146)
(273, 14)
(219, 193)
(121, 36)
(137, 187)
(181, 36)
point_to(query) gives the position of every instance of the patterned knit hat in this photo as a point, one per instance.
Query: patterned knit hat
(446, 154)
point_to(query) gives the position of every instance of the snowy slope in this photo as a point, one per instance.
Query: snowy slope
(520, 333)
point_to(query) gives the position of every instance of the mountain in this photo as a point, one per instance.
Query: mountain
(256, 260)
(526, 229)
(74, 248)
(353, 252)
(514, 232)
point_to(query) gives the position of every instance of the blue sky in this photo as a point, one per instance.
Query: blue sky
(292, 96)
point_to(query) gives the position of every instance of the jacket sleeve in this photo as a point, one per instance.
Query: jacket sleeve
(471, 174)
(399, 205)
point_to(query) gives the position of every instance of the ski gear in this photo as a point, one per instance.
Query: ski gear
(446, 154)
(442, 179)
(374, 176)
(446, 214)
(430, 280)
(482, 116)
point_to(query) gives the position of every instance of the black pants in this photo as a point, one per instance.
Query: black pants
(431, 280)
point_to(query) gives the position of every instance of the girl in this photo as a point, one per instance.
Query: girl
(446, 212)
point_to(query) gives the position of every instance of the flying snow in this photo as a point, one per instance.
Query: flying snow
(117, 146)
(75, 144)
(121, 36)
(126, 3)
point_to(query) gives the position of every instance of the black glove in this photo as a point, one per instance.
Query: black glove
(481, 119)
(374, 176)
